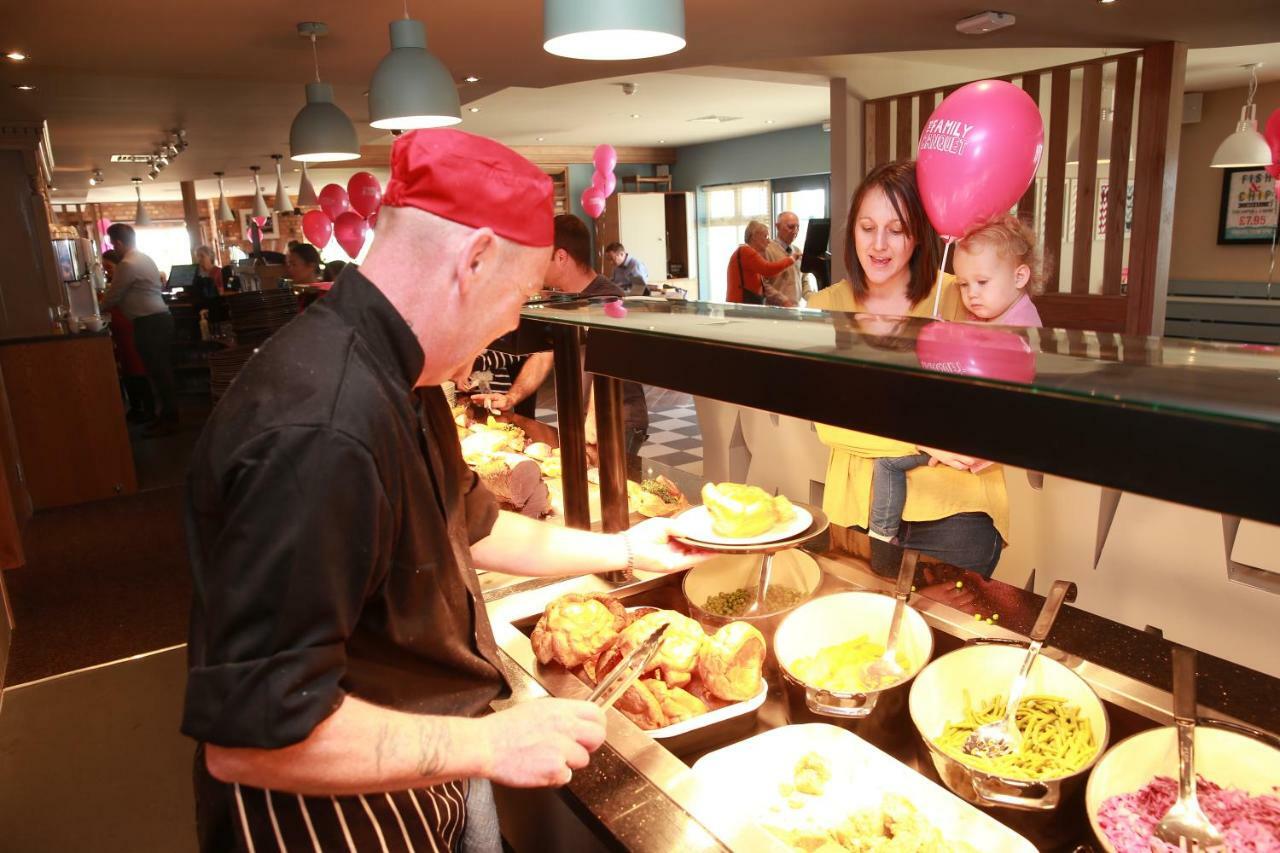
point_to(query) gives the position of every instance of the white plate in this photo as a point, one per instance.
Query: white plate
(860, 777)
(695, 523)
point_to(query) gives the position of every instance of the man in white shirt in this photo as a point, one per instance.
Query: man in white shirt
(136, 289)
(784, 289)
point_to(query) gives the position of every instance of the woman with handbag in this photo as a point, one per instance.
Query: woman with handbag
(747, 266)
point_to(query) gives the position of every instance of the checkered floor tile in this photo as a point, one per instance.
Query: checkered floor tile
(675, 438)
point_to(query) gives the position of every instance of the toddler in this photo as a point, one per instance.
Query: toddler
(997, 268)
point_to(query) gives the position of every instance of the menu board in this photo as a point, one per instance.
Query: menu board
(1248, 213)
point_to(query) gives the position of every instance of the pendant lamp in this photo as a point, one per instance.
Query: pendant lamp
(612, 29)
(259, 201)
(283, 204)
(140, 215)
(306, 191)
(411, 88)
(224, 209)
(321, 131)
(1245, 147)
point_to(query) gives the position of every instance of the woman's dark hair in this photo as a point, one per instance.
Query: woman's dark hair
(897, 180)
(112, 255)
(307, 254)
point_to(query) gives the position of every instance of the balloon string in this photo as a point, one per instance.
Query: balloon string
(937, 285)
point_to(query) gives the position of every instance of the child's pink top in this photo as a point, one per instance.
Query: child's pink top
(1021, 313)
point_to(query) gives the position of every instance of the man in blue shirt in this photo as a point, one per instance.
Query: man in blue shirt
(629, 272)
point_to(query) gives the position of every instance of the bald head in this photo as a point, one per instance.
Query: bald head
(787, 227)
(456, 286)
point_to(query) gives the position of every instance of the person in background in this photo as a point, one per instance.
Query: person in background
(997, 270)
(747, 265)
(133, 373)
(208, 280)
(333, 269)
(785, 289)
(629, 272)
(302, 264)
(136, 289)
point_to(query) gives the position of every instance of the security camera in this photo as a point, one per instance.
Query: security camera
(629, 88)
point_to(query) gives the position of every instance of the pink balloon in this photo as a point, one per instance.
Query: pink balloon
(365, 193)
(1274, 170)
(605, 158)
(969, 349)
(373, 219)
(260, 220)
(317, 227)
(351, 231)
(1272, 135)
(593, 202)
(605, 182)
(334, 201)
(978, 154)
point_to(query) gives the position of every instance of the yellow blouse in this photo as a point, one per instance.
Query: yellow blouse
(932, 492)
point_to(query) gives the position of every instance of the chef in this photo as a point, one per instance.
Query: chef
(339, 652)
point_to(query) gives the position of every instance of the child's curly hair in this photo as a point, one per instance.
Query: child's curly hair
(1012, 238)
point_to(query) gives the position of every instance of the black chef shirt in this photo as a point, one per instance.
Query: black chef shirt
(329, 517)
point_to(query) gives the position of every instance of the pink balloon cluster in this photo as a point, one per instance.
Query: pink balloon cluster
(349, 214)
(978, 153)
(603, 181)
(1272, 135)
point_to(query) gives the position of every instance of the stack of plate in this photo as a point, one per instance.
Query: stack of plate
(255, 315)
(224, 366)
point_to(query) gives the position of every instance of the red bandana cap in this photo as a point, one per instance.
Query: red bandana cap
(473, 181)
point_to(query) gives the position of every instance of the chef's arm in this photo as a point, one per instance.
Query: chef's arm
(362, 748)
(519, 545)
(531, 376)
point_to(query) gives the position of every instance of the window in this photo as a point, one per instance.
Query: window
(806, 196)
(166, 244)
(729, 208)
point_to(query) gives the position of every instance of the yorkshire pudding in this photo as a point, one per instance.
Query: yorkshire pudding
(739, 511)
(575, 628)
(731, 662)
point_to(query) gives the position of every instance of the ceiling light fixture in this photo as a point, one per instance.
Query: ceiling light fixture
(1245, 147)
(411, 88)
(1105, 2)
(224, 209)
(321, 131)
(283, 204)
(95, 178)
(985, 22)
(259, 201)
(16, 56)
(612, 29)
(635, 115)
(473, 109)
(542, 139)
(140, 215)
(471, 78)
(24, 87)
(306, 190)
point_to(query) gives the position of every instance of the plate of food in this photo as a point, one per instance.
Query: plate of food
(695, 680)
(736, 514)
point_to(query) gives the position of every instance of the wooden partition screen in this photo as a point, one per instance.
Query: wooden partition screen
(1101, 216)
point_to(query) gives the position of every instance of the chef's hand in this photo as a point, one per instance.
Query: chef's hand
(655, 551)
(541, 742)
(499, 402)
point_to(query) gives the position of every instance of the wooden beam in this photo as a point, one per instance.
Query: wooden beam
(1118, 174)
(191, 215)
(868, 138)
(882, 133)
(1072, 311)
(902, 146)
(1027, 204)
(380, 155)
(1086, 178)
(1056, 182)
(1164, 68)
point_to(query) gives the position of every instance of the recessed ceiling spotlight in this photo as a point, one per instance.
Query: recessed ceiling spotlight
(473, 109)
(1105, 2)
(662, 142)
(15, 56)
(635, 115)
(24, 87)
(768, 121)
(95, 178)
(471, 78)
(542, 139)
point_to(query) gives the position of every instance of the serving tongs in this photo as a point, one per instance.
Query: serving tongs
(1185, 825)
(1002, 736)
(622, 676)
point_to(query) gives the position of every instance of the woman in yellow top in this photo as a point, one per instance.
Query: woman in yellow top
(892, 254)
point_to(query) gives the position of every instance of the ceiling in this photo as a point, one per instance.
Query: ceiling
(231, 72)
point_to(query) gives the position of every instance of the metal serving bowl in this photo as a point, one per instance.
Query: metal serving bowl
(979, 672)
(793, 568)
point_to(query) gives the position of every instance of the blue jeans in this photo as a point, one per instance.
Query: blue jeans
(481, 834)
(968, 540)
(889, 492)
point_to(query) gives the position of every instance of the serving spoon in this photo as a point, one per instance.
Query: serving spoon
(885, 670)
(766, 570)
(1186, 826)
(1002, 736)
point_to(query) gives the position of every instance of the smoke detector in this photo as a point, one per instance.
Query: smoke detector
(985, 22)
